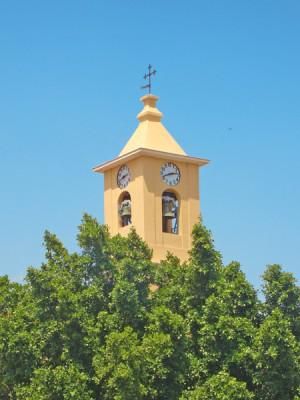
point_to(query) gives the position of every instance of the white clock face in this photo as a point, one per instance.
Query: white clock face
(170, 173)
(123, 176)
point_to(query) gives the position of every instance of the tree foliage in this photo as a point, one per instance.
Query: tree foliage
(108, 323)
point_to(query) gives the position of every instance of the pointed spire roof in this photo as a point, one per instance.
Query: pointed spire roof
(150, 133)
(150, 139)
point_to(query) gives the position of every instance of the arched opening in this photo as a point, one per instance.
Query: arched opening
(125, 209)
(170, 212)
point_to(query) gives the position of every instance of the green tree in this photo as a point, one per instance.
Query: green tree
(65, 382)
(10, 295)
(203, 267)
(107, 323)
(276, 354)
(119, 367)
(164, 348)
(19, 344)
(130, 297)
(281, 291)
(170, 278)
(226, 328)
(220, 387)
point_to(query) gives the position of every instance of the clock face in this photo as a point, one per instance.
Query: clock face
(170, 173)
(123, 176)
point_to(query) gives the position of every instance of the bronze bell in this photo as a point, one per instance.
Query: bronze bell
(125, 208)
(169, 208)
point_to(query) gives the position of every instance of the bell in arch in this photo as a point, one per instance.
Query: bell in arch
(125, 209)
(170, 208)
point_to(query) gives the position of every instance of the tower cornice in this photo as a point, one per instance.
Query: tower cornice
(142, 152)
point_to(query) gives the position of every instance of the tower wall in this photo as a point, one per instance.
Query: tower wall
(146, 188)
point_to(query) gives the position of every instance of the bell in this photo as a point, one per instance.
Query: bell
(125, 208)
(168, 208)
(125, 211)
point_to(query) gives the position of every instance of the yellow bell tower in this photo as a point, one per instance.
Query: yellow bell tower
(153, 185)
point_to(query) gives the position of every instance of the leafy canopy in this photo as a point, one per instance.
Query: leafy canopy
(108, 323)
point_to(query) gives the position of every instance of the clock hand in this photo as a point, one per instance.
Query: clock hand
(169, 173)
(123, 176)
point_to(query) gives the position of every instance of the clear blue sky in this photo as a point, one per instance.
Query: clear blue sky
(228, 80)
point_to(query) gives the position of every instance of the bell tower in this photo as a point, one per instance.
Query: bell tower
(153, 185)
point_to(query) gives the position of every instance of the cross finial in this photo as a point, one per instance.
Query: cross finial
(148, 76)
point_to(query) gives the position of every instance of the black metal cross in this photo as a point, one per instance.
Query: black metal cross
(148, 76)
